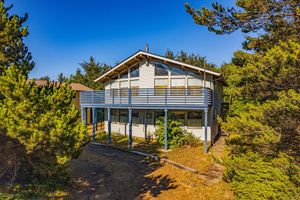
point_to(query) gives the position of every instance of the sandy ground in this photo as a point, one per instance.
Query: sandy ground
(105, 173)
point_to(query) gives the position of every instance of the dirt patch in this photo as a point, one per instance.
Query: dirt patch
(103, 173)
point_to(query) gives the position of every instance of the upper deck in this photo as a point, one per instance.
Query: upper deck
(148, 98)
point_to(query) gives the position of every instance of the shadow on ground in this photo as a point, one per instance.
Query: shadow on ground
(105, 173)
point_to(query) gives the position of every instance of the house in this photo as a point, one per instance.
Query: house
(146, 86)
(77, 87)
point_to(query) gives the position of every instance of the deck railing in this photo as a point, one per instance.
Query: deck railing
(144, 97)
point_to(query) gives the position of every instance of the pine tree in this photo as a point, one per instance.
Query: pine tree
(61, 78)
(275, 20)
(263, 84)
(91, 71)
(12, 48)
(42, 120)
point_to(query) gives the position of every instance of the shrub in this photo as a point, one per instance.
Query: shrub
(176, 136)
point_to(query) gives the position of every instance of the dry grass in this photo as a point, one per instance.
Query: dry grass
(208, 184)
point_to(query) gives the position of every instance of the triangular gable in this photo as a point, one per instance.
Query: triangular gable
(151, 55)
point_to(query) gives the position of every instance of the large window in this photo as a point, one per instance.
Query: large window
(178, 86)
(135, 117)
(178, 116)
(134, 85)
(194, 86)
(124, 88)
(135, 71)
(160, 84)
(115, 115)
(124, 116)
(157, 115)
(177, 70)
(194, 119)
(124, 74)
(161, 69)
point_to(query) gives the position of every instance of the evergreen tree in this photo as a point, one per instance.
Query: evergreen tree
(91, 71)
(264, 125)
(61, 78)
(274, 20)
(191, 59)
(43, 121)
(46, 78)
(12, 48)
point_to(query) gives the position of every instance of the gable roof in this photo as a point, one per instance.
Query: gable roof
(74, 86)
(144, 54)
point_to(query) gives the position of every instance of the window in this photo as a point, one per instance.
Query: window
(124, 116)
(124, 88)
(194, 119)
(160, 84)
(114, 77)
(115, 115)
(178, 86)
(124, 74)
(161, 69)
(178, 116)
(193, 72)
(194, 86)
(149, 118)
(135, 117)
(134, 85)
(177, 71)
(135, 71)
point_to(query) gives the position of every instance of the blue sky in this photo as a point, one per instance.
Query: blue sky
(64, 33)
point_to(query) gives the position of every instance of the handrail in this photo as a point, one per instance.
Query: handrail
(148, 96)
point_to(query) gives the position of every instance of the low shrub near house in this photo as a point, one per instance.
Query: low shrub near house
(176, 136)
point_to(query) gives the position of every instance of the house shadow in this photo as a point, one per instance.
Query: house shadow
(106, 173)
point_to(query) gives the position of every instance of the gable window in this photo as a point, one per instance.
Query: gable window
(177, 70)
(124, 74)
(193, 72)
(161, 69)
(135, 71)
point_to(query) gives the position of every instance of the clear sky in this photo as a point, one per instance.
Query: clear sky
(63, 33)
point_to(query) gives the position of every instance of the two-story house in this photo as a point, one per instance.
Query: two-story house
(147, 86)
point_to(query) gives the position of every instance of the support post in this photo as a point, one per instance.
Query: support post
(93, 123)
(82, 114)
(205, 131)
(130, 127)
(108, 125)
(166, 129)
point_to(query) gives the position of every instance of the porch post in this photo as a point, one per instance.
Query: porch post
(205, 131)
(166, 128)
(93, 123)
(108, 125)
(130, 127)
(82, 114)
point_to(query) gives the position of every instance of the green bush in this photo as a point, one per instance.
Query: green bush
(176, 136)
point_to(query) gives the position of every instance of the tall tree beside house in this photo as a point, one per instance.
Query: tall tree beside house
(12, 48)
(40, 120)
(39, 129)
(264, 87)
(91, 70)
